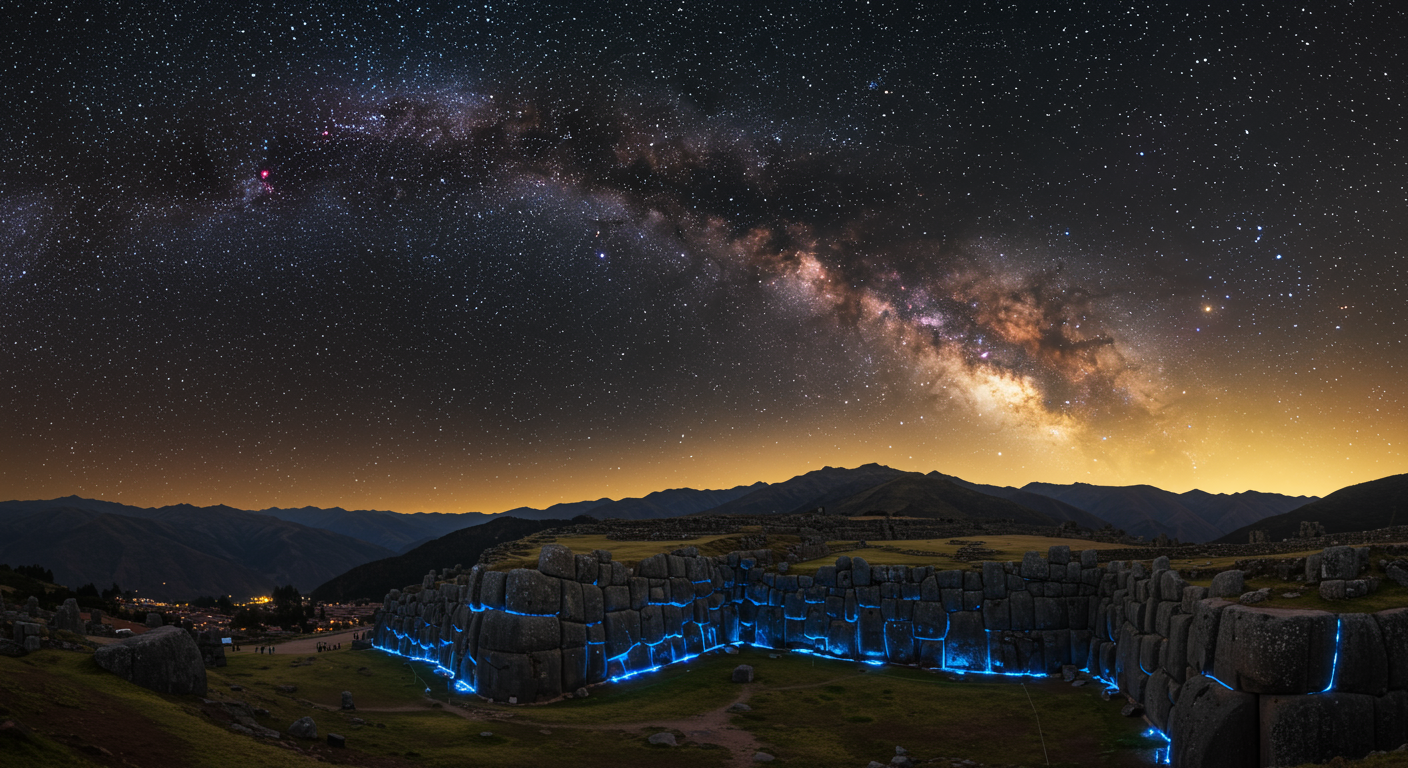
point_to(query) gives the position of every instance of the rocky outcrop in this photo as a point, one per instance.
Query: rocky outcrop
(165, 660)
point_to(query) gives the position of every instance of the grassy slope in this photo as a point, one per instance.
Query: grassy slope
(807, 711)
(891, 552)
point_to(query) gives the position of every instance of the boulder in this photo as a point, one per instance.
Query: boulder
(153, 620)
(1213, 726)
(663, 739)
(165, 659)
(68, 618)
(557, 560)
(1275, 651)
(337, 740)
(1228, 584)
(743, 673)
(1312, 729)
(347, 701)
(1339, 563)
(304, 728)
(1391, 720)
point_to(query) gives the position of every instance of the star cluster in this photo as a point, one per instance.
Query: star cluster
(451, 257)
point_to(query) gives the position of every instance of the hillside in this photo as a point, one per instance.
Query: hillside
(819, 488)
(180, 553)
(1145, 510)
(1363, 507)
(1055, 509)
(933, 496)
(373, 580)
(397, 531)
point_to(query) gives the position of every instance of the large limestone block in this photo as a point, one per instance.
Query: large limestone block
(622, 632)
(1391, 720)
(1202, 633)
(1213, 727)
(165, 659)
(1362, 663)
(1228, 584)
(1022, 610)
(930, 621)
(1313, 729)
(1157, 703)
(1275, 651)
(557, 560)
(1175, 656)
(570, 602)
(654, 567)
(860, 572)
(872, 632)
(500, 631)
(491, 589)
(899, 642)
(1339, 563)
(841, 639)
(1034, 566)
(967, 643)
(1393, 628)
(994, 581)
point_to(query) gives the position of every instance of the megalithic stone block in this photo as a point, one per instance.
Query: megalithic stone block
(1275, 651)
(1202, 633)
(967, 642)
(1393, 629)
(1313, 729)
(1391, 720)
(1213, 727)
(1362, 665)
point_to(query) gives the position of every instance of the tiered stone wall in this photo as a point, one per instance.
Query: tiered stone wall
(1229, 684)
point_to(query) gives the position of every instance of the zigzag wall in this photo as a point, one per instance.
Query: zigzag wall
(1229, 684)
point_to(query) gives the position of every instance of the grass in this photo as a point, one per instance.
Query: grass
(806, 710)
(942, 552)
(1389, 594)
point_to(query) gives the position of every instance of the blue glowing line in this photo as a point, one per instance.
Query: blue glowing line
(1224, 685)
(1335, 665)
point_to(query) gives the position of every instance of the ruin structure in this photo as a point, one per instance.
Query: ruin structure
(1227, 684)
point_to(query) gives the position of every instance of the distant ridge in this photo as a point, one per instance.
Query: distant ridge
(1144, 510)
(179, 552)
(373, 580)
(1363, 507)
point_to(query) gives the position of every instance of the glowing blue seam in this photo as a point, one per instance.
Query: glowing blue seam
(1335, 665)
(1219, 682)
(538, 615)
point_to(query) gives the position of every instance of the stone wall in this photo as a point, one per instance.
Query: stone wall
(1229, 684)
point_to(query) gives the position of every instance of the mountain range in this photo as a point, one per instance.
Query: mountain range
(183, 550)
(1363, 507)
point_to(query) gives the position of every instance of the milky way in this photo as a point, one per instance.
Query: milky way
(452, 258)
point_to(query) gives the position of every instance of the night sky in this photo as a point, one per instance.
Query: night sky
(466, 257)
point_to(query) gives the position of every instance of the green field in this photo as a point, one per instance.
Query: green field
(805, 710)
(939, 552)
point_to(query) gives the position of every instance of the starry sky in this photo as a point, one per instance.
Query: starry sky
(459, 257)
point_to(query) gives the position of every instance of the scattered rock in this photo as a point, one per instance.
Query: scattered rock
(1132, 710)
(901, 751)
(304, 728)
(11, 648)
(237, 687)
(730, 650)
(762, 757)
(1068, 672)
(165, 660)
(739, 707)
(901, 761)
(347, 701)
(1397, 572)
(1079, 683)
(357, 721)
(582, 693)
(664, 737)
(874, 764)
(240, 729)
(1290, 595)
(1228, 584)
(1255, 596)
(774, 656)
(486, 734)
(335, 740)
(743, 673)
